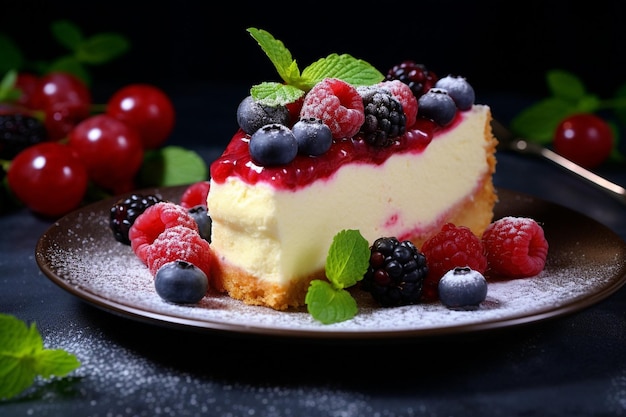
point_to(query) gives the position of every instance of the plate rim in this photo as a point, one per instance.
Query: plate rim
(207, 325)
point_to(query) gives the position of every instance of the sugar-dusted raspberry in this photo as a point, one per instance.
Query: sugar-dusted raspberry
(153, 221)
(403, 93)
(338, 104)
(454, 246)
(195, 194)
(516, 247)
(179, 243)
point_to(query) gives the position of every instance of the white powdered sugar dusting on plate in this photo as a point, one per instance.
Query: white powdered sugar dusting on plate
(102, 270)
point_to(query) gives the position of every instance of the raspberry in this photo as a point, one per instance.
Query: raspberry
(454, 246)
(516, 247)
(338, 104)
(153, 221)
(396, 272)
(384, 116)
(416, 76)
(179, 243)
(126, 210)
(195, 195)
(405, 96)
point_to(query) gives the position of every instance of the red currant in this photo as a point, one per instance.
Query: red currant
(585, 139)
(147, 108)
(48, 178)
(110, 149)
(65, 100)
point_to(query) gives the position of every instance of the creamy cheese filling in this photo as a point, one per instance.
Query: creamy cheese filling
(278, 235)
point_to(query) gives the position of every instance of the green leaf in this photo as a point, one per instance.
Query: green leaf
(11, 57)
(539, 121)
(8, 92)
(55, 362)
(67, 34)
(70, 64)
(171, 165)
(329, 305)
(565, 85)
(23, 357)
(101, 48)
(345, 67)
(277, 53)
(347, 259)
(620, 110)
(275, 94)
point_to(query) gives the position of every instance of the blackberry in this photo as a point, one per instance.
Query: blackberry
(18, 132)
(384, 116)
(416, 76)
(396, 272)
(126, 210)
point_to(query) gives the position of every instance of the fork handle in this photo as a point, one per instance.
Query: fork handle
(614, 190)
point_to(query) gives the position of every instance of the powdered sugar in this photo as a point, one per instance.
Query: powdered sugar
(85, 259)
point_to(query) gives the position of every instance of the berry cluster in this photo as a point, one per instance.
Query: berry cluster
(58, 144)
(335, 110)
(171, 239)
(452, 266)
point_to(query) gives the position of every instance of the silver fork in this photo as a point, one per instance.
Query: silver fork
(508, 141)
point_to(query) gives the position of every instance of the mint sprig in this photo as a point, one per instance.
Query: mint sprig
(568, 96)
(23, 357)
(296, 83)
(82, 51)
(346, 263)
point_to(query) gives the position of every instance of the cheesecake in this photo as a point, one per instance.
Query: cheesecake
(401, 155)
(272, 227)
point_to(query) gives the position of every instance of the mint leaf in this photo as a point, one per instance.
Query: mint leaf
(67, 34)
(345, 67)
(346, 263)
(329, 305)
(539, 121)
(8, 92)
(565, 85)
(101, 48)
(171, 165)
(277, 53)
(348, 259)
(275, 94)
(23, 357)
(11, 57)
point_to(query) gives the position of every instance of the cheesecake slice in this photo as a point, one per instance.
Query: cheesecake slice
(272, 226)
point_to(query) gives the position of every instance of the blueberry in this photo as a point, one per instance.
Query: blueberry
(201, 215)
(462, 288)
(459, 89)
(273, 144)
(181, 282)
(313, 136)
(252, 115)
(438, 106)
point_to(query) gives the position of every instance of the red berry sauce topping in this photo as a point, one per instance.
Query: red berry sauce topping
(305, 169)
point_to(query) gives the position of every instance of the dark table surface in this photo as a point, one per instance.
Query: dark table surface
(568, 366)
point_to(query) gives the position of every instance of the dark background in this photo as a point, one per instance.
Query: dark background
(501, 47)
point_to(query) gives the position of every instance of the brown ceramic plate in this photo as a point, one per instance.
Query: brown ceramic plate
(586, 263)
